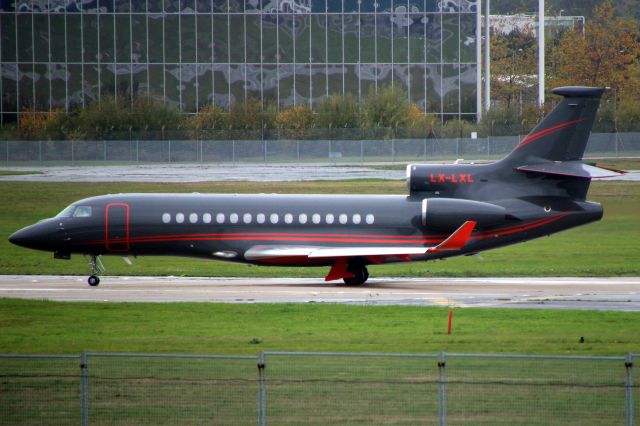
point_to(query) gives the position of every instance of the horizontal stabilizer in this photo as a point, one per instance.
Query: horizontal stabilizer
(570, 169)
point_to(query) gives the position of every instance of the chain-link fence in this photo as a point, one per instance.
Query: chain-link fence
(287, 150)
(321, 388)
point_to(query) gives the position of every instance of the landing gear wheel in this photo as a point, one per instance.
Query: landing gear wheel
(360, 275)
(96, 268)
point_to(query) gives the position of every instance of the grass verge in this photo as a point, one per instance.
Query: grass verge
(210, 328)
(605, 248)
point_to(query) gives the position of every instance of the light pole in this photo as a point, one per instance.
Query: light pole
(540, 53)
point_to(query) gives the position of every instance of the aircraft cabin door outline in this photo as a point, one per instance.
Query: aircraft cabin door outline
(116, 224)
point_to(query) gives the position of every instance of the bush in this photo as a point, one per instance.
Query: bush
(628, 116)
(246, 115)
(500, 121)
(458, 129)
(387, 108)
(150, 114)
(295, 121)
(33, 125)
(338, 111)
(419, 124)
(208, 120)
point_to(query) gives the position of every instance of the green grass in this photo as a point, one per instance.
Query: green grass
(17, 173)
(606, 248)
(71, 327)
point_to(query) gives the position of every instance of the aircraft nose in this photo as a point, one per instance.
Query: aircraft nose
(26, 237)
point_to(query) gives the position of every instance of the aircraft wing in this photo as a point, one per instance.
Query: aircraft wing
(456, 241)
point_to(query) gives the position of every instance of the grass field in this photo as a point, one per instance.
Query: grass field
(70, 328)
(605, 248)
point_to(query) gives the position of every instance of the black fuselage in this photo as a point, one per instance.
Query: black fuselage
(226, 226)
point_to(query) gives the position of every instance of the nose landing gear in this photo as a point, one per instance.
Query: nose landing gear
(96, 268)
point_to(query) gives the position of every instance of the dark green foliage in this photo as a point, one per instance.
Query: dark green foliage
(338, 111)
(388, 108)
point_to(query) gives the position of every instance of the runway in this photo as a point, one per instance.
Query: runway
(621, 294)
(188, 172)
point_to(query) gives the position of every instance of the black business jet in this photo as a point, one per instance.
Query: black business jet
(460, 209)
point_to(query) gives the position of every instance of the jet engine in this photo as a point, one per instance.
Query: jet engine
(447, 214)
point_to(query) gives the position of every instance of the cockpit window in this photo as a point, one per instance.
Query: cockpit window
(67, 212)
(82, 211)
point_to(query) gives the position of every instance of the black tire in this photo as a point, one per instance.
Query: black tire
(360, 275)
(93, 280)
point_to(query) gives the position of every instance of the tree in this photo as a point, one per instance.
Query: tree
(513, 66)
(605, 55)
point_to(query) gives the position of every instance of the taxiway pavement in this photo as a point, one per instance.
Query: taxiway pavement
(563, 293)
(187, 172)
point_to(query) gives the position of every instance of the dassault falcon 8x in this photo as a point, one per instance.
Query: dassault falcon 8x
(458, 209)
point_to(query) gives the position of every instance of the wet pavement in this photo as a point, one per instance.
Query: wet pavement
(621, 294)
(198, 172)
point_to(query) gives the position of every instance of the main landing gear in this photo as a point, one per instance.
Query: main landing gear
(360, 275)
(96, 268)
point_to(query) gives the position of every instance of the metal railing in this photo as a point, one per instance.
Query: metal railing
(306, 387)
(136, 151)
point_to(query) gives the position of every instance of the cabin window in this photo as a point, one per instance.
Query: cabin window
(329, 218)
(274, 218)
(206, 218)
(233, 218)
(82, 211)
(343, 219)
(288, 218)
(67, 212)
(166, 218)
(220, 218)
(356, 219)
(193, 217)
(302, 218)
(369, 219)
(260, 218)
(180, 217)
(246, 218)
(315, 218)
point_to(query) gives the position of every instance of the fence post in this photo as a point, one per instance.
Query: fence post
(393, 149)
(442, 389)
(233, 151)
(262, 391)
(628, 390)
(84, 389)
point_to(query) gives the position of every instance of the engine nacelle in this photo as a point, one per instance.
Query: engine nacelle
(448, 214)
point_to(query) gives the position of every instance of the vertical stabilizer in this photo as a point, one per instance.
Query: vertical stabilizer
(563, 134)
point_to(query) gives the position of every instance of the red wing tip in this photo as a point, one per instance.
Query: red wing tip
(457, 240)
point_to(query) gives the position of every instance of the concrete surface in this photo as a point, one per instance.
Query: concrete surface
(563, 293)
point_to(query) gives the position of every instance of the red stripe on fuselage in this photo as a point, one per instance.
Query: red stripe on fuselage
(411, 241)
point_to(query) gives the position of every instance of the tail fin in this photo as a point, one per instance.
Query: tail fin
(563, 134)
